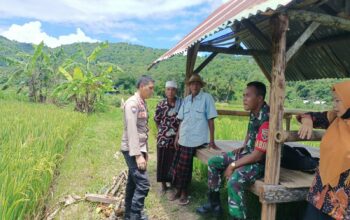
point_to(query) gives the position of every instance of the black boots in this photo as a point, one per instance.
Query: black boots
(135, 216)
(213, 206)
(138, 216)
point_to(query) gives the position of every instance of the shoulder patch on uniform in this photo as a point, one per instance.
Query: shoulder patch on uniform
(133, 109)
(265, 134)
(265, 130)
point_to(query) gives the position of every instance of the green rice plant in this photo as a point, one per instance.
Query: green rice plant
(33, 139)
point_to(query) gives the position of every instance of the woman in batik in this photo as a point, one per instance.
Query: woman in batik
(329, 194)
(168, 125)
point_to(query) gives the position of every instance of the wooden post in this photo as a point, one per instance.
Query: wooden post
(288, 119)
(279, 24)
(191, 60)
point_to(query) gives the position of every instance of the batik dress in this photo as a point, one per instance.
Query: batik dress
(168, 125)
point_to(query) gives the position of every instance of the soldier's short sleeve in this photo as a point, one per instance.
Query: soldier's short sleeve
(130, 112)
(261, 138)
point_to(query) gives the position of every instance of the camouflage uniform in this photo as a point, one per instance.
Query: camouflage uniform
(244, 176)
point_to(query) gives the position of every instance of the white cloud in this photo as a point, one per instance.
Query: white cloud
(121, 19)
(32, 33)
(126, 37)
(96, 11)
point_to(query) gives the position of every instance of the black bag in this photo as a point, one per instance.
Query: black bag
(298, 158)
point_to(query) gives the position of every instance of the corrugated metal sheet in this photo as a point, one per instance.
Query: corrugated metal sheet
(329, 60)
(226, 14)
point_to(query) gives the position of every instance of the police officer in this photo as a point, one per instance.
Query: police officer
(134, 147)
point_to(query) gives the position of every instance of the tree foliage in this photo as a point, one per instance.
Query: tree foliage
(87, 81)
(226, 75)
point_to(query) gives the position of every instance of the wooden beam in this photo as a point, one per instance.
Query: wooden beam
(279, 25)
(301, 40)
(288, 119)
(269, 194)
(293, 136)
(236, 28)
(205, 62)
(254, 30)
(262, 67)
(257, 33)
(287, 113)
(231, 50)
(323, 19)
(100, 198)
(191, 60)
(210, 58)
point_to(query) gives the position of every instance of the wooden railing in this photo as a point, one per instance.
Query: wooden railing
(280, 137)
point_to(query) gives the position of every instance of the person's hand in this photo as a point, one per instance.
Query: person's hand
(306, 127)
(212, 145)
(141, 162)
(228, 172)
(238, 150)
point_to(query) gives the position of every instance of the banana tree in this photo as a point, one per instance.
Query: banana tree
(86, 82)
(33, 71)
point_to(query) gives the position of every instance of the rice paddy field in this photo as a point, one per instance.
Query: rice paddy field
(33, 139)
(48, 152)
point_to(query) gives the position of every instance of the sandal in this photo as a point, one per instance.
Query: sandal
(174, 196)
(162, 192)
(184, 201)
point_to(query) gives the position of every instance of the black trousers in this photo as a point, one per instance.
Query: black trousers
(312, 213)
(137, 187)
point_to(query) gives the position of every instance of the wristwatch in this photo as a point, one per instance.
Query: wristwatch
(233, 165)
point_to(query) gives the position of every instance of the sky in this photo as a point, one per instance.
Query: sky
(151, 23)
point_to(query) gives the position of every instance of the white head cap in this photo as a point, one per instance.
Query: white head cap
(171, 84)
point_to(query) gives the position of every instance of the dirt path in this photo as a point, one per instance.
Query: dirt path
(160, 207)
(89, 166)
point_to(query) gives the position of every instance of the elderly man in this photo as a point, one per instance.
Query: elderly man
(242, 166)
(197, 115)
(168, 125)
(134, 147)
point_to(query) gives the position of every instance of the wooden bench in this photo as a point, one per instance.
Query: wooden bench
(293, 185)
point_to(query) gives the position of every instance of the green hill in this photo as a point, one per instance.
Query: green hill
(226, 75)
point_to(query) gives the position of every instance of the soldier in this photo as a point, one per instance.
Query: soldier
(134, 147)
(244, 165)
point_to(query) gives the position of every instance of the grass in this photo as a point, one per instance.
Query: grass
(89, 165)
(41, 136)
(33, 139)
